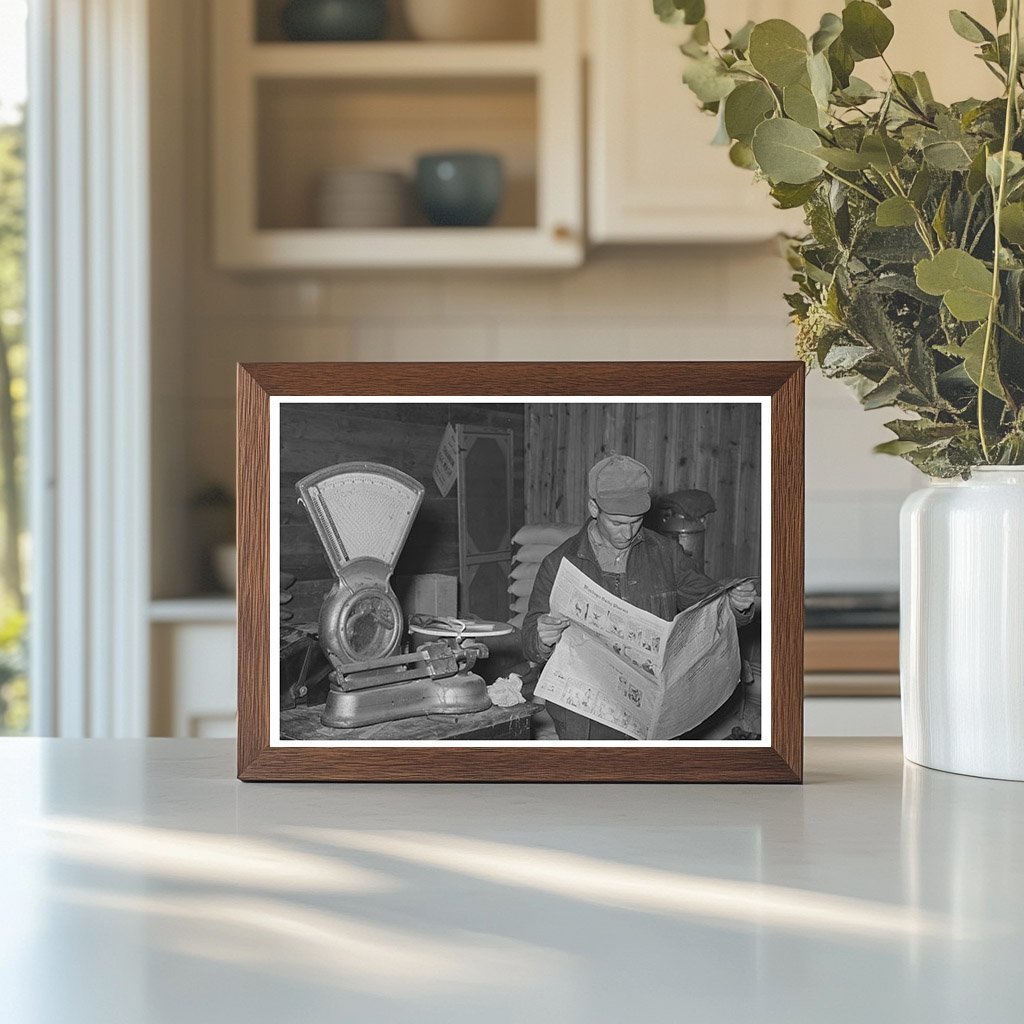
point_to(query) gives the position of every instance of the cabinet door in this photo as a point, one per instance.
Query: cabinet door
(653, 174)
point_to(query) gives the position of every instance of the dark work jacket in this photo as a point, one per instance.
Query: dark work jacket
(659, 578)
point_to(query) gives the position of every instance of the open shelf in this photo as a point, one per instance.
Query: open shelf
(393, 60)
(406, 248)
(308, 127)
(518, 18)
(287, 113)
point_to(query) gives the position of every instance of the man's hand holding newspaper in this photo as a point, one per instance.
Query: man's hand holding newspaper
(631, 670)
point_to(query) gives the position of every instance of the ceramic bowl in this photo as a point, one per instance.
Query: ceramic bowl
(359, 197)
(468, 20)
(334, 20)
(460, 189)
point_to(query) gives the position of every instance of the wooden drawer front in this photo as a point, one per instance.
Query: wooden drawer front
(851, 650)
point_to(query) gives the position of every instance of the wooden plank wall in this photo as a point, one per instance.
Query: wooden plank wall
(403, 435)
(711, 447)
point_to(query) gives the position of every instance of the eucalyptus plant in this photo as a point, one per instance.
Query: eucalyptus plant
(909, 279)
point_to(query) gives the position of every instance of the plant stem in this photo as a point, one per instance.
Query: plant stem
(981, 231)
(970, 215)
(993, 309)
(922, 225)
(855, 187)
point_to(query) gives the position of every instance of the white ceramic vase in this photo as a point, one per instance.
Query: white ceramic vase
(962, 624)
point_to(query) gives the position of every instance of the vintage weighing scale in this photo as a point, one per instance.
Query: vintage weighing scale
(362, 513)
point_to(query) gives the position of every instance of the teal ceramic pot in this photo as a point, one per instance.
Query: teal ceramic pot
(460, 189)
(334, 20)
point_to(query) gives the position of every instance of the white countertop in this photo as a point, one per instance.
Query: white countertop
(143, 884)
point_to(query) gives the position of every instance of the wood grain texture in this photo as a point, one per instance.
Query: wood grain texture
(252, 485)
(787, 540)
(781, 762)
(711, 447)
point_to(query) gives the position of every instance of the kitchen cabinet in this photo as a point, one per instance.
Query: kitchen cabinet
(286, 113)
(193, 667)
(653, 175)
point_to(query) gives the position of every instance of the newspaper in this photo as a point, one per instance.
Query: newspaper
(634, 671)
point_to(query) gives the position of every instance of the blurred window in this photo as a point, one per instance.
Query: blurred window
(14, 547)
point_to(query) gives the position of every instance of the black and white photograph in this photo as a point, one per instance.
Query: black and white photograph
(525, 571)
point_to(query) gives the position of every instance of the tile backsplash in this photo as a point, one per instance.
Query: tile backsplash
(717, 302)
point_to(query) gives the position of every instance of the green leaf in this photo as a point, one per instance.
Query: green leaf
(820, 76)
(844, 159)
(800, 105)
(694, 10)
(679, 12)
(858, 91)
(997, 53)
(883, 153)
(939, 220)
(999, 7)
(841, 60)
(668, 12)
(778, 50)
(923, 431)
(896, 212)
(963, 281)
(745, 108)
(1011, 226)
(924, 88)
(1014, 169)
(921, 185)
(739, 41)
(885, 394)
(946, 156)
(789, 197)
(742, 155)
(785, 152)
(866, 29)
(895, 447)
(976, 174)
(971, 352)
(707, 80)
(906, 89)
(968, 28)
(701, 33)
(921, 369)
(829, 30)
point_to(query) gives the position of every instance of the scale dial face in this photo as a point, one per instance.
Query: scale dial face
(361, 510)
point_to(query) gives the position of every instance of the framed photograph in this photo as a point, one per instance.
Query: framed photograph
(515, 572)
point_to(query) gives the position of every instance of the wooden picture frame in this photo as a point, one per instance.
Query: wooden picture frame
(779, 386)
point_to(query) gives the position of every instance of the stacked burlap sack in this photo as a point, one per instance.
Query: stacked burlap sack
(534, 542)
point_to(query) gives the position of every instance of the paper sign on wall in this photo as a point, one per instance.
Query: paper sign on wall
(446, 465)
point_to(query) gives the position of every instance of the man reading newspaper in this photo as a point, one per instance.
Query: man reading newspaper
(620, 673)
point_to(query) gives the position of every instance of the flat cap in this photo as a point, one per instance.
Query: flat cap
(621, 486)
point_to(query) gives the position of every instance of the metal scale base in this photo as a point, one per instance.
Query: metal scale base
(459, 694)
